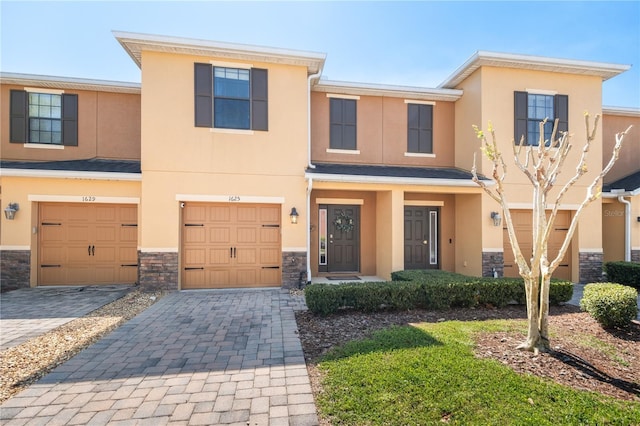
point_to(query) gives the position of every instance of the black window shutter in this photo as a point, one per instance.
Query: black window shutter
(520, 117)
(561, 110)
(259, 99)
(18, 114)
(426, 129)
(335, 119)
(203, 94)
(70, 120)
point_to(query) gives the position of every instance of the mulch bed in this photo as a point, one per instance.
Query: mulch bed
(612, 368)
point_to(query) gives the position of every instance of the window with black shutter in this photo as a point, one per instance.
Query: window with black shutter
(231, 98)
(343, 119)
(530, 109)
(43, 118)
(420, 128)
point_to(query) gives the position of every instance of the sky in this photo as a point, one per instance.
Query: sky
(398, 43)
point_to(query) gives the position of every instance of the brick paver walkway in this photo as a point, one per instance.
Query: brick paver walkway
(196, 358)
(29, 312)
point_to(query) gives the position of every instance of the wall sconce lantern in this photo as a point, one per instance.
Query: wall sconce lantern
(294, 215)
(10, 211)
(497, 219)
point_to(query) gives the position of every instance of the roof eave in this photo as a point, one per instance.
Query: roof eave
(54, 82)
(71, 174)
(135, 43)
(324, 177)
(538, 63)
(624, 111)
(407, 92)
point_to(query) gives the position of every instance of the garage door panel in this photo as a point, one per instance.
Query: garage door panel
(523, 226)
(195, 256)
(246, 235)
(91, 242)
(239, 237)
(195, 235)
(196, 277)
(270, 277)
(219, 256)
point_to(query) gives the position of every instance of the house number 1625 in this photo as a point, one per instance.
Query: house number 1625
(234, 198)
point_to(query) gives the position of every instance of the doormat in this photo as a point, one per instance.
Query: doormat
(344, 278)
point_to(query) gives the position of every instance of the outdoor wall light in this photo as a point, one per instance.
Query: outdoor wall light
(294, 215)
(10, 211)
(497, 219)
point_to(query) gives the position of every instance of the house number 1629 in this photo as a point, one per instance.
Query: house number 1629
(88, 199)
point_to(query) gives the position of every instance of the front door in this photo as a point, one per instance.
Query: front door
(343, 248)
(421, 240)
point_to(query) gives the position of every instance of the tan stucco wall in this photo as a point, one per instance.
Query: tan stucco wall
(179, 158)
(629, 160)
(489, 96)
(382, 133)
(468, 246)
(108, 127)
(613, 217)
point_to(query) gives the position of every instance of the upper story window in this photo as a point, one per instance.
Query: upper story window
(420, 128)
(343, 118)
(531, 109)
(231, 98)
(43, 118)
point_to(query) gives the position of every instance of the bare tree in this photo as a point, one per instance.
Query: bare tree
(541, 164)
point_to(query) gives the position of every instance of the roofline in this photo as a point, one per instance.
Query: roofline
(357, 88)
(71, 174)
(615, 193)
(73, 83)
(135, 43)
(324, 177)
(539, 63)
(626, 111)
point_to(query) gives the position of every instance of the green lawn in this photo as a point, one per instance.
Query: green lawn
(428, 374)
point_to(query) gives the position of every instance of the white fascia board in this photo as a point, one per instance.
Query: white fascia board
(530, 62)
(71, 174)
(56, 82)
(394, 180)
(406, 92)
(625, 111)
(135, 43)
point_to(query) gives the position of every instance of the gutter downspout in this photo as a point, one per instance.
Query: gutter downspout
(310, 166)
(627, 227)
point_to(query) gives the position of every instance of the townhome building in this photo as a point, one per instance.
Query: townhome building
(234, 166)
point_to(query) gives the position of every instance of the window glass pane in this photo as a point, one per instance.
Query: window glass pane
(231, 114)
(55, 112)
(56, 137)
(33, 98)
(45, 99)
(231, 83)
(45, 125)
(34, 136)
(45, 111)
(56, 125)
(56, 100)
(33, 110)
(34, 124)
(322, 231)
(45, 137)
(433, 238)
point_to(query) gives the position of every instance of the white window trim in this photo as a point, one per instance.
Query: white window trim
(411, 101)
(42, 90)
(419, 154)
(423, 203)
(341, 201)
(541, 92)
(339, 96)
(223, 64)
(343, 151)
(43, 145)
(231, 131)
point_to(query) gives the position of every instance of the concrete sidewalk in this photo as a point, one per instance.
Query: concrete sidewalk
(578, 290)
(197, 358)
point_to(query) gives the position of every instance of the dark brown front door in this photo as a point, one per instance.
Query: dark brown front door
(343, 250)
(421, 239)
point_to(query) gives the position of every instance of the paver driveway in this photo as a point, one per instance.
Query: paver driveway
(200, 357)
(29, 312)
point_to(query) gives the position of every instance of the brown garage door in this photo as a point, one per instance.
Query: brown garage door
(522, 221)
(231, 245)
(84, 244)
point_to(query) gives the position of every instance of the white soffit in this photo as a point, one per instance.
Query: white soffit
(53, 82)
(624, 111)
(527, 62)
(405, 92)
(136, 43)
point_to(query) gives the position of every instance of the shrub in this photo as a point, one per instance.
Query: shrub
(625, 273)
(322, 299)
(499, 291)
(560, 291)
(612, 305)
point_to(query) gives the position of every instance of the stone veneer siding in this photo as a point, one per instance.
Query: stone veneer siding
(158, 270)
(590, 267)
(15, 267)
(635, 256)
(491, 260)
(294, 269)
